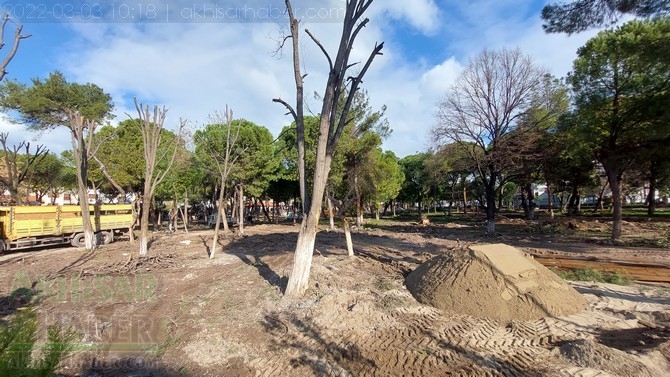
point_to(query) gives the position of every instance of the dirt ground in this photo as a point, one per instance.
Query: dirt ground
(178, 313)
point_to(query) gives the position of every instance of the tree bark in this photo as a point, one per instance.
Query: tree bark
(527, 197)
(220, 214)
(465, 196)
(614, 178)
(302, 261)
(332, 123)
(331, 215)
(240, 218)
(651, 196)
(359, 202)
(491, 205)
(550, 197)
(347, 237)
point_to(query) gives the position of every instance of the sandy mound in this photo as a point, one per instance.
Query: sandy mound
(493, 281)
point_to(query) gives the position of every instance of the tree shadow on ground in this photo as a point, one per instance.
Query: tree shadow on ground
(273, 252)
(20, 298)
(318, 353)
(600, 292)
(637, 339)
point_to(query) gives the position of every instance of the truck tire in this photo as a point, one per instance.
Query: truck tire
(106, 237)
(79, 240)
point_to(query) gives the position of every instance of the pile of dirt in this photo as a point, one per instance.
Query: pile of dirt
(493, 281)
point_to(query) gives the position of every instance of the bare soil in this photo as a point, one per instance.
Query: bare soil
(178, 313)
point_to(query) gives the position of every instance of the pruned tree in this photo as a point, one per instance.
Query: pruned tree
(18, 165)
(81, 108)
(216, 145)
(151, 127)
(298, 111)
(580, 15)
(18, 37)
(331, 123)
(482, 110)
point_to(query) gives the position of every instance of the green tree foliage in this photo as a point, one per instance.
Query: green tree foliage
(120, 150)
(579, 15)
(417, 179)
(621, 98)
(527, 146)
(449, 169)
(48, 176)
(257, 164)
(287, 150)
(47, 104)
(386, 177)
(358, 153)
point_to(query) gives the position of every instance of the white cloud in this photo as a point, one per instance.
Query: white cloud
(56, 140)
(196, 69)
(436, 81)
(421, 14)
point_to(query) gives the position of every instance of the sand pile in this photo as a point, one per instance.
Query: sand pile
(493, 281)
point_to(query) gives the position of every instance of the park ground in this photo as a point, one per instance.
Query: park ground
(179, 313)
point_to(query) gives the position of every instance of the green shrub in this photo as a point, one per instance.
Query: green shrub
(17, 341)
(617, 277)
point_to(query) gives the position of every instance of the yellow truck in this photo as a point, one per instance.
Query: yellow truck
(36, 226)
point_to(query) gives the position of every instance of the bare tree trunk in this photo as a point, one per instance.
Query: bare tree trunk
(184, 216)
(491, 206)
(359, 200)
(332, 123)
(331, 215)
(220, 214)
(151, 127)
(599, 204)
(224, 217)
(265, 211)
(80, 148)
(240, 219)
(651, 196)
(614, 178)
(347, 236)
(136, 209)
(465, 198)
(527, 199)
(185, 213)
(550, 196)
(144, 225)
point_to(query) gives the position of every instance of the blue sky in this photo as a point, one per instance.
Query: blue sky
(197, 68)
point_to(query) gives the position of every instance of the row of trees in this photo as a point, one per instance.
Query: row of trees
(85, 108)
(226, 154)
(515, 123)
(505, 120)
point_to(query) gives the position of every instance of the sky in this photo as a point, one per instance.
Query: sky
(197, 57)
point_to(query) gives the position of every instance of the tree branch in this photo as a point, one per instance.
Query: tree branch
(323, 49)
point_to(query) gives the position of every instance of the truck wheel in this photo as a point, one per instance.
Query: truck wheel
(79, 240)
(107, 237)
